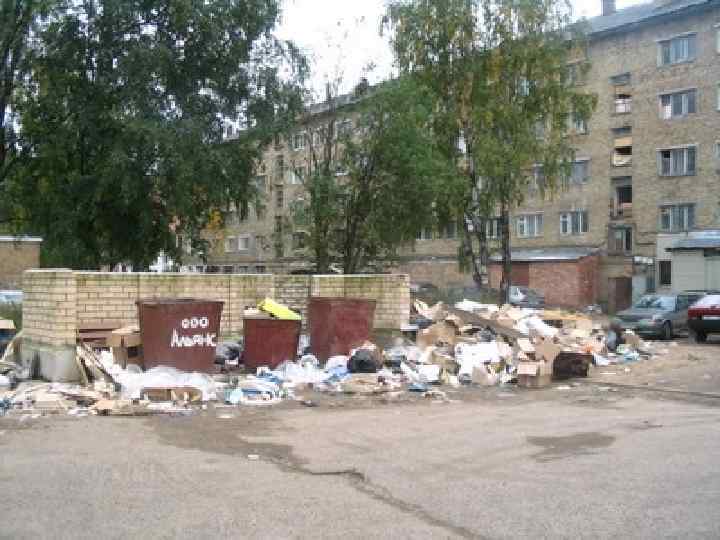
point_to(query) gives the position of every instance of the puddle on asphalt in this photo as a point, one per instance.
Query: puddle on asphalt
(578, 444)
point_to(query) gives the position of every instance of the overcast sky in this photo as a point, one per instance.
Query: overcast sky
(342, 36)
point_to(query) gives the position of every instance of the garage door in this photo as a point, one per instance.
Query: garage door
(688, 270)
(712, 273)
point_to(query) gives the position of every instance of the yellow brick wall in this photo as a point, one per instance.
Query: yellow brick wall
(49, 306)
(58, 301)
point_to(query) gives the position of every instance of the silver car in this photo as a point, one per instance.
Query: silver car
(660, 315)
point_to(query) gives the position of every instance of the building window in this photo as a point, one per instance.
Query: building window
(449, 230)
(299, 140)
(184, 244)
(621, 240)
(279, 197)
(297, 175)
(665, 271)
(492, 228)
(623, 102)
(623, 144)
(317, 138)
(425, 234)
(718, 96)
(241, 269)
(580, 172)
(622, 93)
(231, 244)
(260, 269)
(227, 269)
(677, 161)
(243, 243)
(575, 73)
(623, 196)
(579, 124)
(676, 50)
(300, 240)
(677, 217)
(678, 104)
(537, 181)
(345, 128)
(574, 223)
(529, 225)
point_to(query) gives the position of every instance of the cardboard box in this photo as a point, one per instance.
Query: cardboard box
(538, 381)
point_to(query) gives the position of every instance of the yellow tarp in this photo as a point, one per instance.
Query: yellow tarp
(278, 310)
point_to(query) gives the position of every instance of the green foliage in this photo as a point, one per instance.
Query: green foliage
(17, 20)
(394, 172)
(497, 70)
(123, 121)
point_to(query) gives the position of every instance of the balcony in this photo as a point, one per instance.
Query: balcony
(622, 211)
(623, 105)
(620, 241)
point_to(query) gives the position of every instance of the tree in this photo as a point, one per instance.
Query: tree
(17, 19)
(498, 72)
(370, 189)
(123, 120)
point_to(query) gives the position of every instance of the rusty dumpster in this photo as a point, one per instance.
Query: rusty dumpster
(338, 325)
(269, 342)
(180, 332)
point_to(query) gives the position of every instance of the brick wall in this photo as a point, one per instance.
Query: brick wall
(58, 301)
(50, 307)
(16, 256)
(572, 284)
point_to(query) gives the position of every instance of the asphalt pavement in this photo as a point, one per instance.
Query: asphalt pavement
(587, 461)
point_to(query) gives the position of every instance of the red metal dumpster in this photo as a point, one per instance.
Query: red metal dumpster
(269, 342)
(180, 332)
(338, 325)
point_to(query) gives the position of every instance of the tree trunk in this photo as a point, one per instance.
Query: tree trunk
(506, 257)
(468, 251)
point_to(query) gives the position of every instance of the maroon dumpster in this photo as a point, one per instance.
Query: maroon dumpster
(338, 325)
(269, 342)
(180, 332)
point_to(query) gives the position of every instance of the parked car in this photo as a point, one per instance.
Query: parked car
(526, 297)
(11, 297)
(661, 315)
(704, 317)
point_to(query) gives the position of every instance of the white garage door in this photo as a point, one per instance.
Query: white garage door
(712, 273)
(688, 270)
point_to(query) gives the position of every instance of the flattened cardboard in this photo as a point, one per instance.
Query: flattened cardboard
(437, 333)
(528, 368)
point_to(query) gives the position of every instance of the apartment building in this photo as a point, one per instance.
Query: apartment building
(267, 239)
(646, 173)
(647, 168)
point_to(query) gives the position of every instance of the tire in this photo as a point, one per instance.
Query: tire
(698, 337)
(667, 331)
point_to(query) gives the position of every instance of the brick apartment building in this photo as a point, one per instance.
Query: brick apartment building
(647, 173)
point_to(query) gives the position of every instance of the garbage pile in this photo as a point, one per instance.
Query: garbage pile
(448, 347)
